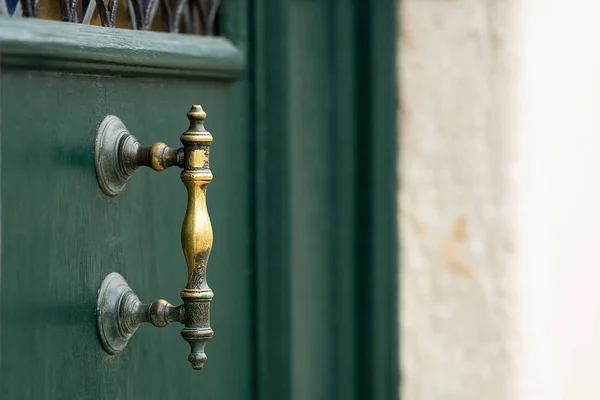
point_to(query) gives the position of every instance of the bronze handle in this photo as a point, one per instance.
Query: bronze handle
(119, 311)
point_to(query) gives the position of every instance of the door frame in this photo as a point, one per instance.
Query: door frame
(344, 183)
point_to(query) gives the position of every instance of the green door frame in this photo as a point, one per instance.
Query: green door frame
(323, 108)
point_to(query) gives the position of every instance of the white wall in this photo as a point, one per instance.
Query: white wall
(500, 199)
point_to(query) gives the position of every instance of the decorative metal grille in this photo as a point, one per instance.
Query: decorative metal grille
(186, 16)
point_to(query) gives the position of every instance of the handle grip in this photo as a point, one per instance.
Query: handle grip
(196, 236)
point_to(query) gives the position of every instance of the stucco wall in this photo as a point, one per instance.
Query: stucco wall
(499, 199)
(455, 200)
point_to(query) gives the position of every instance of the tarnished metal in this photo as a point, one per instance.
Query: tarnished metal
(120, 312)
(196, 236)
(118, 155)
(188, 16)
(111, 175)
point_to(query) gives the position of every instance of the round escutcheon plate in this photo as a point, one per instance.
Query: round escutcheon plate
(111, 177)
(112, 291)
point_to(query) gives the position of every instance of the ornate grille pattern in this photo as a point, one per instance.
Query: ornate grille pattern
(186, 16)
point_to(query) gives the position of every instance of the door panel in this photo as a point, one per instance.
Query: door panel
(61, 236)
(302, 204)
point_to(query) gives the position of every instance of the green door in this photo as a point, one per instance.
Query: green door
(300, 101)
(61, 235)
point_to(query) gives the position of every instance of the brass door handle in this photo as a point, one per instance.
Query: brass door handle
(119, 311)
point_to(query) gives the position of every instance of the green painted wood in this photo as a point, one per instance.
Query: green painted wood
(42, 44)
(385, 226)
(346, 163)
(61, 235)
(269, 65)
(377, 200)
(326, 220)
(312, 285)
(302, 203)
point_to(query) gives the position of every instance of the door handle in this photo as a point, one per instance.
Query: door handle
(119, 311)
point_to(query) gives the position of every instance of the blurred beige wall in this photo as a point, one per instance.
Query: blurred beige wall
(499, 200)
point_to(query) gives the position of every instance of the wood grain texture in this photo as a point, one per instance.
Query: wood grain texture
(62, 235)
(38, 44)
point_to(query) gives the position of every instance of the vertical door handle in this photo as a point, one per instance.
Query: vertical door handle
(119, 311)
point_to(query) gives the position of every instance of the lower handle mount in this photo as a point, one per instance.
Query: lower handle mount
(120, 312)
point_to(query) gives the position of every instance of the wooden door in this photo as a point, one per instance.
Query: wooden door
(61, 235)
(301, 102)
